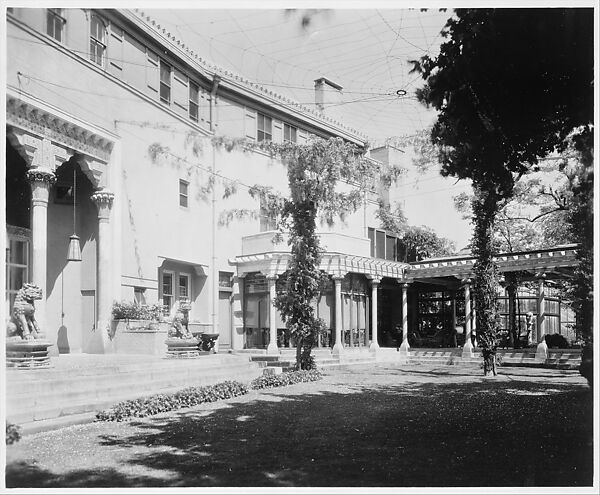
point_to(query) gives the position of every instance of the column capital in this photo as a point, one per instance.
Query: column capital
(42, 175)
(405, 285)
(466, 281)
(337, 278)
(272, 277)
(376, 280)
(540, 275)
(103, 199)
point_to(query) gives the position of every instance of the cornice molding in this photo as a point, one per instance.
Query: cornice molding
(26, 116)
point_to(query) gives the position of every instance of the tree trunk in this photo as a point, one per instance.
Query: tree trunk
(485, 208)
(511, 289)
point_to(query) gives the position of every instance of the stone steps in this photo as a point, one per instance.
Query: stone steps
(75, 389)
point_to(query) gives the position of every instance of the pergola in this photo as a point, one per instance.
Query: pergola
(541, 265)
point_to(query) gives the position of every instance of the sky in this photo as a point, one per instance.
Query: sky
(364, 50)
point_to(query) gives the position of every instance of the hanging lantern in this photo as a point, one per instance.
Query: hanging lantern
(74, 253)
(74, 249)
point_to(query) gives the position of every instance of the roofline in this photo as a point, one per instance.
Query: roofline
(237, 83)
(560, 247)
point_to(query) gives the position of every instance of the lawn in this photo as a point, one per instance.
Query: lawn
(369, 426)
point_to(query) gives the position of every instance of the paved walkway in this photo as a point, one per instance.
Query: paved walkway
(369, 426)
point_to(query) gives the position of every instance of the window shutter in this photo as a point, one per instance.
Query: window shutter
(277, 131)
(115, 51)
(250, 124)
(152, 73)
(134, 62)
(302, 136)
(180, 91)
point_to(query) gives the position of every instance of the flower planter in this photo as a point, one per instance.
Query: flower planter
(139, 337)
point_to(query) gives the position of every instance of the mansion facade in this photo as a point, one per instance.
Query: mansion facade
(116, 133)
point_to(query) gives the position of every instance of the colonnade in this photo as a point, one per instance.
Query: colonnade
(470, 317)
(41, 181)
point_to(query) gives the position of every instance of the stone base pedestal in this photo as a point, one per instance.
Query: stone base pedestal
(467, 350)
(374, 347)
(541, 353)
(27, 354)
(404, 351)
(183, 348)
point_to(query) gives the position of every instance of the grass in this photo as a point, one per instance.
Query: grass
(375, 426)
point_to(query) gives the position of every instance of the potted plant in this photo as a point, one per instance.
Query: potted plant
(138, 328)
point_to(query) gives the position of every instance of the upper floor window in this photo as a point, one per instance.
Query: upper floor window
(55, 23)
(194, 101)
(165, 82)
(183, 193)
(97, 40)
(290, 133)
(264, 128)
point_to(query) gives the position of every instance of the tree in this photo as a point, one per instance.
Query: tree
(581, 221)
(418, 242)
(509, 86)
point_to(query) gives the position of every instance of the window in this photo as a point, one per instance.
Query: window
(184, 287)
(289, 133)
(167, 289)
(139, 295)
(194, 101)
(183, 193)
(225, 280)
(17, 267)
(165, 82)
(55, 23)
(97, 40)
(265, 128)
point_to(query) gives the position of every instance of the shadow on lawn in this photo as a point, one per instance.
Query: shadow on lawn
(423, 434)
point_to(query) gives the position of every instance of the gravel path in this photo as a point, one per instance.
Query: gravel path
(383, 425)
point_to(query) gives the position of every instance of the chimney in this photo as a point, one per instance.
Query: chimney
(327, 93)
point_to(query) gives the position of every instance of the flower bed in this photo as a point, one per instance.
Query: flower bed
(283, 379)
(188, 397)
(193, 396)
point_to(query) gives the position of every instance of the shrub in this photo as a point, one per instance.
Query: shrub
(158, 403)
(124, 310)
(556, 340)
(13, 433)
(283, 379)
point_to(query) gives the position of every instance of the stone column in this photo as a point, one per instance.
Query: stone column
(468, 347)
(474, 324)
(374, 287)
(103, 199)
(541, 353)
(338, 347)
(272, 347)
(41, 180)
(404, 347)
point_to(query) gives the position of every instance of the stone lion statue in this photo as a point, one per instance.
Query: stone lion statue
(179, 323)
(22, 322)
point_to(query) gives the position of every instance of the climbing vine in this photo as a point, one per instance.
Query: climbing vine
(315, 171)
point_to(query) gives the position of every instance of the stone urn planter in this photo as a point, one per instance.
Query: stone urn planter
(133, 336)
(138, 328)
